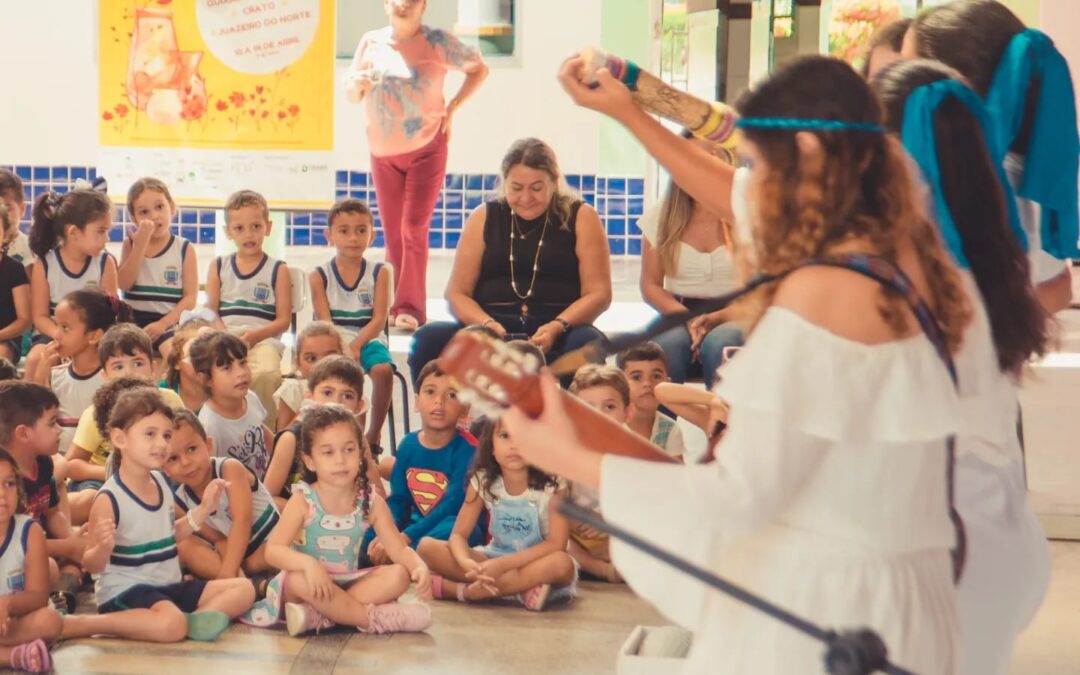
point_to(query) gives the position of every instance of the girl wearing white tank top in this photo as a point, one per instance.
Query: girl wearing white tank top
(158, 271)
(68, 235)
(141, 594)
(24, 580)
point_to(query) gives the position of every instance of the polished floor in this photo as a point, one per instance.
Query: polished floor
(585, 637)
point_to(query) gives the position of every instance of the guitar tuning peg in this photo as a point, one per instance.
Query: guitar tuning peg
(467, 397)
(531, 363)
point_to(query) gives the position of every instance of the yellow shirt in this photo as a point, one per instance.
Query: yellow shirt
(89, 438)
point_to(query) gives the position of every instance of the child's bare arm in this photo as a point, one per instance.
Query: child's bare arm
(35, 593)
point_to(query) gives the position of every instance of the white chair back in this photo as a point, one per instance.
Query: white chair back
(300, 290)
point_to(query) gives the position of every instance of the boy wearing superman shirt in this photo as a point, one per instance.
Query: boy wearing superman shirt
(427, 486)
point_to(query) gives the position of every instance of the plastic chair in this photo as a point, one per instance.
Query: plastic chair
(406, 422)
(300, 292)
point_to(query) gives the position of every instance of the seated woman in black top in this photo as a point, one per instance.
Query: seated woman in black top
(533, 264)
(14, 292)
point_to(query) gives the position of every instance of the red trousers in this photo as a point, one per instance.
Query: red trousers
(407, 189)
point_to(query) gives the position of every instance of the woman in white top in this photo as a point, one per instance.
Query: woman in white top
(686, 259)
(828, 495)
(1008, 568)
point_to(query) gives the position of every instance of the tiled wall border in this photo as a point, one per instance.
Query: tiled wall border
(619, 200)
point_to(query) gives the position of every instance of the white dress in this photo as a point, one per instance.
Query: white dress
(828, 498)
(1008, 559)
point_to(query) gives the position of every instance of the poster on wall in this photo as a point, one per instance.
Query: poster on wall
(213, 96)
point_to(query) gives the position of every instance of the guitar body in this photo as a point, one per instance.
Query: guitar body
(494, 376)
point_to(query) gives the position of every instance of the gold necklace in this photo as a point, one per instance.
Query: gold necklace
(536, 262)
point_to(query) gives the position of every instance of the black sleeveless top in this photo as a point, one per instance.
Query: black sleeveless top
(558, 283)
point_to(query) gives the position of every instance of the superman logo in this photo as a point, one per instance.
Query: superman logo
(427, 487)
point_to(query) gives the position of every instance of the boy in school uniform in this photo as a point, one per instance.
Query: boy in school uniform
(252, 294)
(354, 294)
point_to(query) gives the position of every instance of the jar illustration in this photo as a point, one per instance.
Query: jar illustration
(161, 80)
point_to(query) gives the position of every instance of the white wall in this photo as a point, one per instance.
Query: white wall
(50, 71)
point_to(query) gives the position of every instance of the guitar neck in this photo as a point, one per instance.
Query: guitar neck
(600, 433)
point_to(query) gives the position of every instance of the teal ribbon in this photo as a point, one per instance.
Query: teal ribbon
(805, 124)
(920, 140)
(1052, 163)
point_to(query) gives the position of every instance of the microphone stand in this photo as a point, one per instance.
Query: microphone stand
(858, 652)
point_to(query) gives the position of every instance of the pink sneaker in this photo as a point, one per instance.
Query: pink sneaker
(535, 598)
(395, 617)
(302, 617)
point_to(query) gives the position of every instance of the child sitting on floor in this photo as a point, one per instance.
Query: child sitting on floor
(317, 543)
(645, 366)
(527, 555)
(317, 341)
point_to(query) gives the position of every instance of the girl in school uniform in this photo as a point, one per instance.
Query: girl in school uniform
(158, 271)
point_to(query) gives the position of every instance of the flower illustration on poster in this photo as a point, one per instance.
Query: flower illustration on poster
(853, 22)
(216, 73)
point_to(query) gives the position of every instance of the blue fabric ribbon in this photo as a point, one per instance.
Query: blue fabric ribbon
(920, 140)
(1053, 159)
(805, 124)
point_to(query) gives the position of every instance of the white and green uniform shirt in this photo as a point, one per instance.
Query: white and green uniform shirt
(248, 301)
(75, 393)
(264, 514)
(351, 307)
(159, 285)
(13, 555)
(145, 551)
(63, 281)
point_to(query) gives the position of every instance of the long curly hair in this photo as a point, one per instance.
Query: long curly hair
(322, 417)
(487, 468)
(858, 187)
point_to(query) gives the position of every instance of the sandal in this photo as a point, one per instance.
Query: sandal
(22, 657)
(406, 322)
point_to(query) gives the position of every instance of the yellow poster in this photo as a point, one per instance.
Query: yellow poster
(218, 94)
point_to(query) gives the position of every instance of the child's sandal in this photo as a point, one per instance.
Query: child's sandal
(23, 656)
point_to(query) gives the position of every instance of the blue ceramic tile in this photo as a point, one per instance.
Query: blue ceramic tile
(301, 236)
(601, 205)
(435, 240)
(601, 186)
(452, 239)
(301, 219)
(439, 201)
(28, 195)
(116, 234)
(472, 203)
(189, 217)
(318, 237)
(23, 172)
(590, 199)
(93, 173)
(453, 181)
(633, 246)
(453, 221)
(379, 241)
(341, 178)
(453, 201)
(616, 206)
(632, 227)
(617, 246)
(474, 182)
(358, 178)
(207, 235)
(574, 181)
(616, 186)
(635, 206)
(436, 221)
(77, 172)
(342, 193)
(588, 183)
(38, 189)
(637, 187)
(206, 217)
(490, 181)
(318, 219)
(60, 173)
(41, 173)
(189, 233)
(616, 226)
